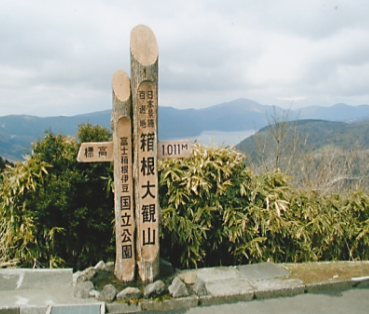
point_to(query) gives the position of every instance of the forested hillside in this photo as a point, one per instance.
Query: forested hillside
(317, 134)
(326, 155)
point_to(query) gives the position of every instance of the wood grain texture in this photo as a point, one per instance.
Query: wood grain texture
(144, 80)
(144, 47)
(125, 263)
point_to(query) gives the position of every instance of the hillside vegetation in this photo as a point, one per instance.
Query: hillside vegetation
(316, 133)
(55, 211)
(215, 211)
(323, 155)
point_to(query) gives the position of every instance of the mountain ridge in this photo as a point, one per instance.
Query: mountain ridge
(18, 131)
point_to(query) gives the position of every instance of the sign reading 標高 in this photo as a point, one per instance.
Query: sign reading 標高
(135, 151)
(95, 152)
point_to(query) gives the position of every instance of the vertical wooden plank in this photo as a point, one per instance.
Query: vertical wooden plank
(125, 263)
(144, 85)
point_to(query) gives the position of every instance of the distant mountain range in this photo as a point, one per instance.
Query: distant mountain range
(17, 132)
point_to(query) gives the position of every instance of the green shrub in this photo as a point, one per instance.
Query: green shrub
(215, 211)
(201, 200)
(54, 210)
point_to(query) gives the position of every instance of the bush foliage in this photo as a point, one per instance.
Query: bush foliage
(55, 211)
(217, 212)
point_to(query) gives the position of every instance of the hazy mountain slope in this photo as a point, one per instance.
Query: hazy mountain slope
(319, 134)
(18, 131)
(338, 112)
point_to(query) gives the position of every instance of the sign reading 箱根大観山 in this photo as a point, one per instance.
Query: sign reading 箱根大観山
(147, 201)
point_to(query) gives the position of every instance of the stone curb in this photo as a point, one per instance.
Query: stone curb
(194, 301)
(276, 293)
(207, 300)
(361, 282)
(122, 308)
(172, 304)
(221, 299)
(24, 310)
(327, 286)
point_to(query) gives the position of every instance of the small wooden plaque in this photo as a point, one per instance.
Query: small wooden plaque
(174, 149)
(96, 152)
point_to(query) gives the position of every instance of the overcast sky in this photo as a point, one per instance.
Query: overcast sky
(58, 57)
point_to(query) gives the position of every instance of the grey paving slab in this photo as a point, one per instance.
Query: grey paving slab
(17, 279)
(217, 273)
(229, 286)
(77, 309)
(33, 289)
(8, 281)
(262, 271)
(40, 297)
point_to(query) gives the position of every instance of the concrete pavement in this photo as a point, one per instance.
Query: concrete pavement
(51, 291)
(353, 301)
(37, 290)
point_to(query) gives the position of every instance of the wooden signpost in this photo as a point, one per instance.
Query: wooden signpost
(125, 264)
(135, 151)
(95, 152)
(144, 77)
(103, 151)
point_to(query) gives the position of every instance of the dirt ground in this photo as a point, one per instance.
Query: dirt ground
(328, 271)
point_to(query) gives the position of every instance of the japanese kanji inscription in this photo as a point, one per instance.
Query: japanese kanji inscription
(147, 157)
(135, 151)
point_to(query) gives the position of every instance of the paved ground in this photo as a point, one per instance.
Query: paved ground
(354, 301)
(33, 290)
(51, 291)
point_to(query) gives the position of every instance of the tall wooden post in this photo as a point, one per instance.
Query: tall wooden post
(144, 85)
(123, 177)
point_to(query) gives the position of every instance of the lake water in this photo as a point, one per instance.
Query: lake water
(219, 138)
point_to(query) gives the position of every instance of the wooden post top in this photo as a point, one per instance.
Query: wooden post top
(121, 85)
(144, 47)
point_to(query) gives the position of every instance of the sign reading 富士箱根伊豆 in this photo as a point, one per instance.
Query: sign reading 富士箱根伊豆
(125, 264)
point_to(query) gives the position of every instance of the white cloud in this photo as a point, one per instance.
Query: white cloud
(63, 54)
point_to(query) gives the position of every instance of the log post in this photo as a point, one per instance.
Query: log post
(144, 86)
(125, 263)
